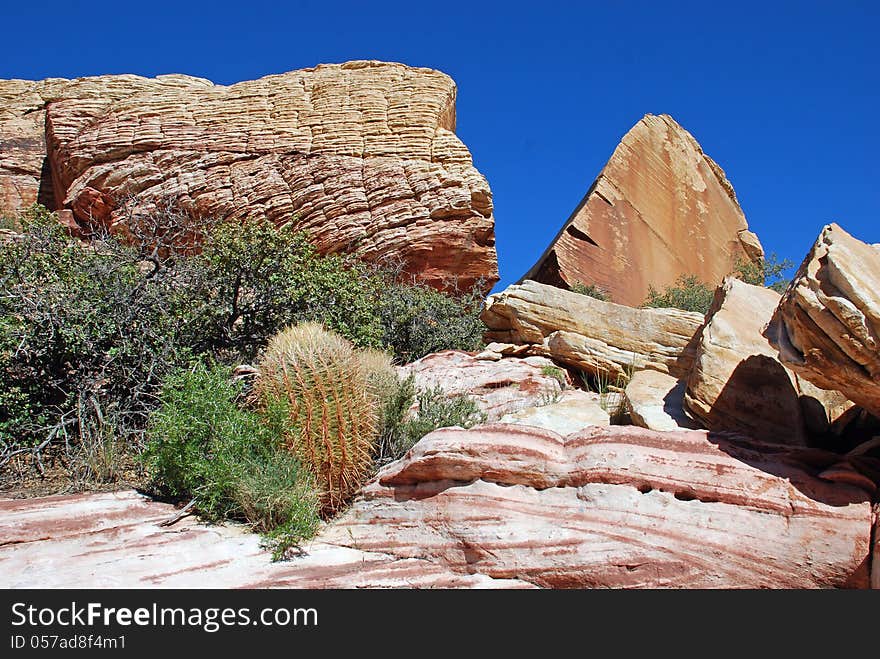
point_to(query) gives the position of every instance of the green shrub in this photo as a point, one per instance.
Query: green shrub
(768, 272)
(86, 334)
(688, 293)
(90, 328)
(203, 444)
(331, 392)
(436, 409)
(252, 280)
(557, 373)
(418, 320)
(591, 290)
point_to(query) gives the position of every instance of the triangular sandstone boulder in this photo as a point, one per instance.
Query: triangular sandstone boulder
(659, 209)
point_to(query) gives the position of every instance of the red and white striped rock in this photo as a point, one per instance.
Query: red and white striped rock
(113, 540)
(496, 506)
(616, 507)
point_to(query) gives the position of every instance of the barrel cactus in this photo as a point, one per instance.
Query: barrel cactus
(331, 395)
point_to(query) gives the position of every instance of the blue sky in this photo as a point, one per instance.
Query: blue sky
(783, 95)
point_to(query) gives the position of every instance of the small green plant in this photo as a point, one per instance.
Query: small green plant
(330, 391)
(204, 445)
(591, 290)
(555, 372)
(688, 293)
(435, 409)
(610, 388)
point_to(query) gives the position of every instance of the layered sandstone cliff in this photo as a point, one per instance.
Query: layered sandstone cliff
(659, 209)
(362, 155)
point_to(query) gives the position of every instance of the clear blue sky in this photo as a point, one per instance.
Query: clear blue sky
(784, 95)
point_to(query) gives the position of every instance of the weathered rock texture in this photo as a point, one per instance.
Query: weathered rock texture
(737, 384)
(615, 507)
(589, 334)
(497, 506)
(572, 411)
(655, 401)
(114, 540)
(827, 326)
(362, 154)
(498, 387)
(659, 209)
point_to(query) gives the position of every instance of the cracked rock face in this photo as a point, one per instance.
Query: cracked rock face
(827, 325)
(363, 155)
(659, 209)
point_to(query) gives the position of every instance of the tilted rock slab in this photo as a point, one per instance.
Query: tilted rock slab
(827, 325)
(363, 155)
(659, 209)
(737, 383)
(589, 334)
(615, 507)
(655, 401)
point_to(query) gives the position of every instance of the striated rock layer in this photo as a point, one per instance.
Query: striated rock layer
(616, 507)
(589, 334)
(363, 155)
(827, 325)
(659, 209)
(497, 506)
(497, 387)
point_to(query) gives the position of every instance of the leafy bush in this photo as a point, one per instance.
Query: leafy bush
(688, 293)
(418, 320)
(86, 334)
(591, 290)
(90, 328)
(252, 280)
(203, 444)
(331, 392)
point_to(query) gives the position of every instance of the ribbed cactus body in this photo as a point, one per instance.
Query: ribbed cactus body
(331, 393)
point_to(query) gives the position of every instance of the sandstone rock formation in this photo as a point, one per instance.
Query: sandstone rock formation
(497, 506)
(497, 387)
(875, 564)
(659, 209)
(656, 401)
(114, 540)
(589, 334)
(827, 326)
(572, 411)
(737, 384)
(362, 154)
(615, 507)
